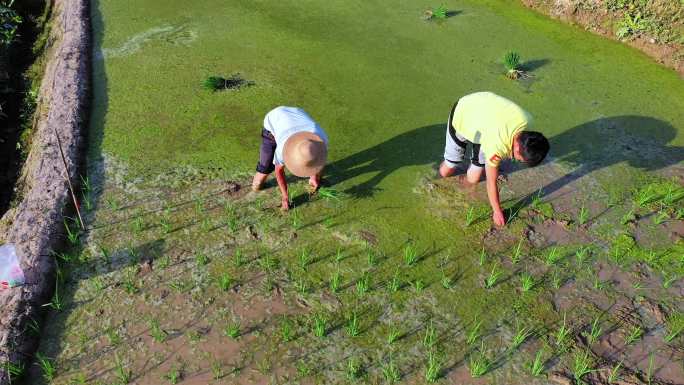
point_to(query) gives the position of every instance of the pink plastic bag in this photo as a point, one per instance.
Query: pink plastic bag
(11, 274)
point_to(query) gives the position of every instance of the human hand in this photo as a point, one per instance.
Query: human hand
(285, 204)
(314, 182)
(498, 218)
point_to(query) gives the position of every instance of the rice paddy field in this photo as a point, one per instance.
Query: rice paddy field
(389, 274)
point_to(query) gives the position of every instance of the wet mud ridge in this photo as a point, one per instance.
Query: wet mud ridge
(36, 223)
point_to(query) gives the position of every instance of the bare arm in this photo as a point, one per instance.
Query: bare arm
(282, 185)
(493, 195)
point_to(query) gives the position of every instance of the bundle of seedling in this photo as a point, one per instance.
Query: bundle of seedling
(439, 13)
(513, 65)
(219, 83)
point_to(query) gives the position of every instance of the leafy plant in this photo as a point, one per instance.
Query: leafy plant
(493, 277)
(537, 366)
(410, 255)
(430, 336)
(335, 279)
(582, 216)
(474, 332)
(631, 24)
(527, 282)
(479, 363)
(46, 366)
(433, 367)
(232, 330)
(353, 325)
(318, 326)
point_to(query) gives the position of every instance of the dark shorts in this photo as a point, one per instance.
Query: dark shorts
(266, 152)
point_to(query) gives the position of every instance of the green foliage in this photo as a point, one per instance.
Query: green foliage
(512, 61)
(433, 367)
(9, 24)
(537, 366)
(232, 330)
(581, 366)
(479, 363)
(219, 83)
(319, 325)
(410, 255)
(353, 325)
(675, 326)
(46, 366)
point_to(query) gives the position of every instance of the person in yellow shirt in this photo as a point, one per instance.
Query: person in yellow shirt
(497, 129)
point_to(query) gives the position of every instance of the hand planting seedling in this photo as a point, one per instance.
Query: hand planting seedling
(219, 83)
(513, 65)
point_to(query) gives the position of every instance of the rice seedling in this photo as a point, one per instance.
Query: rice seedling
(216, 370)
(513, 65)
(201, 259)
(395, 282)
(371, 258)
(638, 285)
(553, 257)
(56, 302)
(120, 372)
(173, 375)
(206, 225)
(649, 371)
(286, 332)
(669, 280)
(232, 330)
(582, 216)
(483, 256)
(363, 284)
(675, 326)
(410, 255)
(537, 366)
(599, 284)
(562, 332)
(157, 333)
(613, 375)
(112, 204)
(353, 369)
(521, 335)
(493, 276)
(303, 369)
(516, 254)
(439, 13)
(430, 336)
(594, 332)
(302, 286)
(113, 337)
(353, 325)
(581, 366)
(165, 225)
(556, 279)
(418, 285)
(527, 282)
(581, 255)
(225, 282)
(13, 370)
(330, 194)
(87, 201)
(433, 367)
(661, 217)
(304, 259)
(335, 279)
(296, 220)
(391, 372)
(129, 284)
(163, 262)
(470, 216)
(47, 367)
(238, 258)
(138, 225)
(73, 236)
(645, 196)
(393, 335)
(474, 332)
(319, 325)
(339, 257)
(479, 363)
(447, 282)
(628, 217)
(268, 263)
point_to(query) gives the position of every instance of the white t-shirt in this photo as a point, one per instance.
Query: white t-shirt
(283, 122)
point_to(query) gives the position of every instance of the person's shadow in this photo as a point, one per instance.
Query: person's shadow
(640, 141)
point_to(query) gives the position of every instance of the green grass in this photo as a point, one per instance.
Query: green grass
(675, 326)
(581, 366)
(433, 367)
(537, 365)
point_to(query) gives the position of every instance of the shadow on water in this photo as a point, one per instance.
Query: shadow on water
(639, 141)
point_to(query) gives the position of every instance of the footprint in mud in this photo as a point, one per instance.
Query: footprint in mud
(174, 35)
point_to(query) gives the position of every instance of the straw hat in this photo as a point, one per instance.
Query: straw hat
(305, 154)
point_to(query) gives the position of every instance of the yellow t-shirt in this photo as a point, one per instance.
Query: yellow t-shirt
(492, 121)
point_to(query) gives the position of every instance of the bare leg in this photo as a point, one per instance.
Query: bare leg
(446, 171)
(258, 181)
(474, 174)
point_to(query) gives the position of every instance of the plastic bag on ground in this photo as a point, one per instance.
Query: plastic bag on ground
(11, 274)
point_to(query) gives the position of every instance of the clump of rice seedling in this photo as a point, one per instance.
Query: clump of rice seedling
(391, 372)
(216, 370)
(339, 257)
(479, 363)
(537, 366)
(201, 259)
(410, 255)
(46, 366)
(353, 369)
(122, 374)
(516, 254)
(393, 335)
(675, 326)
(527, 282)
(433, 367)
(395, 282)
(446, 281)
(562, 332)
(304, 259)
(669, 280)
(649, 371)
(12, 369)
(438, 13)
(157, 333)
(173, 375)
(363, 284)
(302, 286)
(330, 194)
(225, 281)
(474, 332)
(483, 256)
(613, 375)
(418, 285)
(513, 65)
(73, 235)
(553, 257)
(628, 217)
(335, 279)
(594, 332)
(353, 325)
(238, 258)
(371, 258)
(582, 216)
(521, 335)
(581, 255)
(430, 337)
(318, 325)
(661, 217)
(219, 83)
(581, 366)
(232, 330)
(470, 216)
(493, 277)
